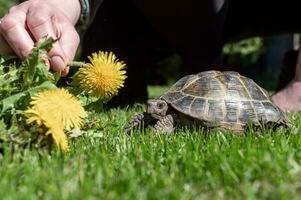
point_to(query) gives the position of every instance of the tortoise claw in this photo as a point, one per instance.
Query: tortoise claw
(165, 125)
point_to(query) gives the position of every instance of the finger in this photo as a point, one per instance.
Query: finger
(68, 42)
(13, 29)
(65, 71)
(41, 25)
(4, 46)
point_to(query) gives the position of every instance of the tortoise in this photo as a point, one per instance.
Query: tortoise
(226, 100)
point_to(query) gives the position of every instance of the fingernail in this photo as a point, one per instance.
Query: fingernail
(57, 64)
(65, 72)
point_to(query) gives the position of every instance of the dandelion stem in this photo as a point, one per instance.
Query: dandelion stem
(77, 64)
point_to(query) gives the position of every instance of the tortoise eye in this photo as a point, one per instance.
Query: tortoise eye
(160, 105)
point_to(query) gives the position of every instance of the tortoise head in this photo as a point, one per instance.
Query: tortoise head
(157, 108)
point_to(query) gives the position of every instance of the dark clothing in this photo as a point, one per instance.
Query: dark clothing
(88, 12)
(144, 31)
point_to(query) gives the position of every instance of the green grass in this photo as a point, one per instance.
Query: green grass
(197, 164)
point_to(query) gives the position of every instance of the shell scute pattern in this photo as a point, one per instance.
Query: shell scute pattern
(198, 107)
(247, 114)
(184, 103)
(272, 112)
(181, 83)
(256, 92)
(215, 111)
(174, 96)
(260, 111)
(209, 88)
(236, 90)
(222, 97)
(232, 111)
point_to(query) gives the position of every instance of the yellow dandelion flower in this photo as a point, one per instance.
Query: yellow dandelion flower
(60, 105)
(55, 129)
(103, 77)
(56, 109)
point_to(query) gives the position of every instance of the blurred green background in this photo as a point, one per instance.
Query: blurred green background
(4, 5)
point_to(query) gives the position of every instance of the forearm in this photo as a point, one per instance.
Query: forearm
(88, 12)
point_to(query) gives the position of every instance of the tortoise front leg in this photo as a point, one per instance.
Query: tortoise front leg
(138, 119)
(165, 125)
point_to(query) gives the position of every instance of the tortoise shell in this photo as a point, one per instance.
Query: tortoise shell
(225, 98)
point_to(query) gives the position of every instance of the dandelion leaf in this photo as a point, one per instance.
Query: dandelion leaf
(35, 65)
(11, 101)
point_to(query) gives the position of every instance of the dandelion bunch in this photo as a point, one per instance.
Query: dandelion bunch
(102, 77)
(57, 110)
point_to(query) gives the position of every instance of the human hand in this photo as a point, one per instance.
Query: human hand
(28, 22)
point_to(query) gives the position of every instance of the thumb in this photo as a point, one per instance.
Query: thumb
(66, 49)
